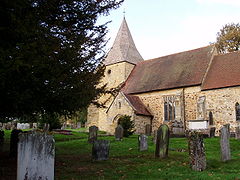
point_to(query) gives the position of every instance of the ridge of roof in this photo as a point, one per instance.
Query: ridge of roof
(123, 48)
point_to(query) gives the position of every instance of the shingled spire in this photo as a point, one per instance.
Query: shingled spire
(123, 48)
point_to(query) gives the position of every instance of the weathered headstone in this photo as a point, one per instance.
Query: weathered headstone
(100, 150)
(142, 142)
(14, 142)
(119, 133)
(162, 141)
(224, 143)
(196, 152)
(93, 132)
(237, 132)
(228, 128)
(1, 140)
(148, 130)
(36, 152)
(212, 132)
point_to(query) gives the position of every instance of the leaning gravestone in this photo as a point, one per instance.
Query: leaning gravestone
(36, 153)
(100, 150)
(142, 142)
(93, 132)
(14, 142)
(224, 143)
(212, 132)
(1, 140)
(162, 141)
(196, 151)
(237, 132)
(148, 130)
(119, 133)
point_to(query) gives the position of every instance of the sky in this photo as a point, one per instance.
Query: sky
(163, 27)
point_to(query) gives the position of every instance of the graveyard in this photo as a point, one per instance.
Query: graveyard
(74, 159)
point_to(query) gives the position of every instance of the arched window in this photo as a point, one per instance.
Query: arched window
(210, 118)
(237, 109)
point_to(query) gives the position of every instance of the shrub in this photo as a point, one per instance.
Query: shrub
(127, 124)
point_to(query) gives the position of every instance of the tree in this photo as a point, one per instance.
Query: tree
(228, 39)
(51, 55)
(127, 124)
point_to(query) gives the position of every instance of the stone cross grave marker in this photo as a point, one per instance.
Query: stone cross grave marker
(119, 133)
(224, 143)
(212, 132)
(1, 140)
(93, 132)
(148, 130)
(162, 141)
(237, 132)
(100, 150)
(14, 142)
(36, 152)
(196, 152)
(142, 142)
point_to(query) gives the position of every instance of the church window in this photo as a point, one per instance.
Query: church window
(237, 108)
(119, 105)
(210, 118)
(169, 109)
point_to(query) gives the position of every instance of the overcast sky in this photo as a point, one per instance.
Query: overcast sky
(163, 27)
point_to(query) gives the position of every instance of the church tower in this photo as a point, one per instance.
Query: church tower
(119, 62)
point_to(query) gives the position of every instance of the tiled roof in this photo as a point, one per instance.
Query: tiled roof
(138, 105)
(224, 72)
(172, 71)
(123, 48)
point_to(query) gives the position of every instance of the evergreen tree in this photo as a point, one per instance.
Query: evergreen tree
(228, 39)
(51, 55)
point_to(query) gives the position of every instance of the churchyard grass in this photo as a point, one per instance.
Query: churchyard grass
(73, 160)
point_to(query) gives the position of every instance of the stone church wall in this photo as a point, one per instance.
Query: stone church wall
(197, 105)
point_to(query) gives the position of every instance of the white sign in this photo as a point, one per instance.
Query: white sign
(198, 124)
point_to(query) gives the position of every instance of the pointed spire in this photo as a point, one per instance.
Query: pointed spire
(123, 48)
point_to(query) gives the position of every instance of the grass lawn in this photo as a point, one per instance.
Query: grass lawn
(73, 160)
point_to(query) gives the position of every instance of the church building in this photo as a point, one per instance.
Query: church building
(195, 89)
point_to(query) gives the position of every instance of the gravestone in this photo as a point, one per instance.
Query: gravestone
(93, 132)
(100, 150)
(154, 136)
(178, 128)
(78, 125)
(142, 142)
(224, 143)
(119, 133)
(46, 127)
(36, 152)
(237, 132)
(162, 141)
(212, 132)
(4, 126)
(148, 130)
(196, 152)
(14, 142)
(228, 128)
(1, 140)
